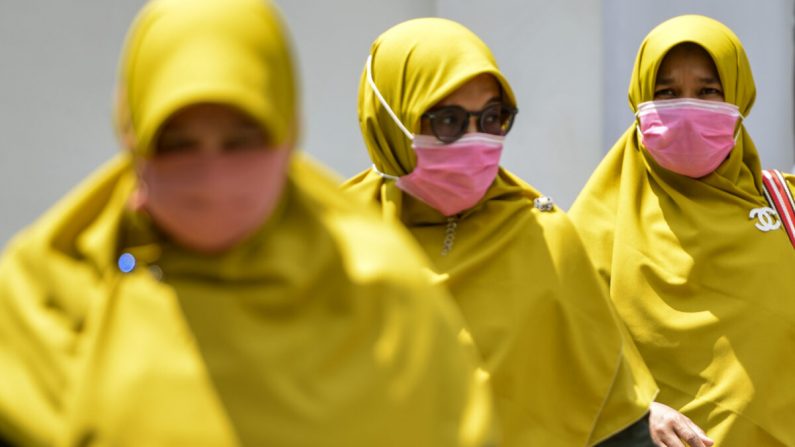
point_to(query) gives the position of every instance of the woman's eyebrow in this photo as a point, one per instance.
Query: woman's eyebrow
(247, 123)
(664, 80)
(173, 132)
(443, 104)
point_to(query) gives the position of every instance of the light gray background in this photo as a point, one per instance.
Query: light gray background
(569, 62)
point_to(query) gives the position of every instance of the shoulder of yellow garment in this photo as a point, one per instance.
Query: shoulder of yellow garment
(59, 225)
(364, 185)
(369, 246)
(39, 329)
(29, 376)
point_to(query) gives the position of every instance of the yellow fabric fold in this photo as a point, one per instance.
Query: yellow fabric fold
(562, 371)
(708, 298)
(320, 329)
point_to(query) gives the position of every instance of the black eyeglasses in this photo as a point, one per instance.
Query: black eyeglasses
(450, 123)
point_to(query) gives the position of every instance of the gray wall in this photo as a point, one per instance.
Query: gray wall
(569, 62)
(57, 71)
(551, 53)
(332, 40)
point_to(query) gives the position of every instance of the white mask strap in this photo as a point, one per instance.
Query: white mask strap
(382, 100)
(740, 122)
(391, 177)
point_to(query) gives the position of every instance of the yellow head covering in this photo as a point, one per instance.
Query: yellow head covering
(561, 371)
(318, 330)
(706, 295)
(236, 56)
(412, 77)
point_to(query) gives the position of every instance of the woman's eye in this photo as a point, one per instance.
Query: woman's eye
(448, 120)
(174, 145)
(245, 140)
(664, 93)
(709, 91)
(491, 118)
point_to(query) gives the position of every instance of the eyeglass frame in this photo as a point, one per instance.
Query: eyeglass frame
(431, 115)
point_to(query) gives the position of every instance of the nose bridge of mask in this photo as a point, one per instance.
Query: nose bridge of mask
(371, 82)
(723, 107)
(699, 103)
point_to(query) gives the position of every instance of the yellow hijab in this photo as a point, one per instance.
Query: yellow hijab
(561, 373)
(709, 299)
(319, 330)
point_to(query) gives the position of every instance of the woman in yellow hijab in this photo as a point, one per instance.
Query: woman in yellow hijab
(670, 217)
(433, 110)
(208, 287)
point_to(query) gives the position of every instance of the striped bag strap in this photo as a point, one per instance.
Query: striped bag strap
(780, 197)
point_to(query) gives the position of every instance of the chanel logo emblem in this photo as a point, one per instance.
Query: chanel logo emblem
(767, 219)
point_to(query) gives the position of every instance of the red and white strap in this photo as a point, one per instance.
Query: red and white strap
(779, 195)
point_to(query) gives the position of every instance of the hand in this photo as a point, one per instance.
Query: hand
(669, 428)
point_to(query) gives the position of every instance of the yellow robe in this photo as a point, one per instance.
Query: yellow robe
(562, 371)
(709, 298)
(320, 329)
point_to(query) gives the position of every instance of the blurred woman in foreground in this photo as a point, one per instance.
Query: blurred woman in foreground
(210, 287)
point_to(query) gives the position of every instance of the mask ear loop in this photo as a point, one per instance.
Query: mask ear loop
(369, 70)
(382, 100)
(740, 121)
(384, 175)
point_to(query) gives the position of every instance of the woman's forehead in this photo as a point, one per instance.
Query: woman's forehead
(687, 55)
(484, 85)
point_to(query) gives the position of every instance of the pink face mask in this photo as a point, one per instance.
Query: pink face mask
(452, 177)
(210, 202)
(691, 137)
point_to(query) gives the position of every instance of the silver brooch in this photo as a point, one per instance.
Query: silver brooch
(544, 203)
